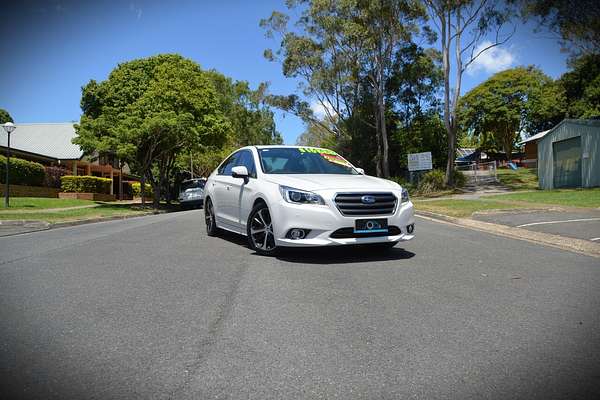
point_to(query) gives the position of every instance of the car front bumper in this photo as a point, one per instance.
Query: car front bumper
(323, 221)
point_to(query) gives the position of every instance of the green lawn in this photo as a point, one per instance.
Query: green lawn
(34, 203)
(103, 210)
(461, 208)
(521, 179)
(561, 197)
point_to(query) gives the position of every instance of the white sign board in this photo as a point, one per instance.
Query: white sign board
(419, 161)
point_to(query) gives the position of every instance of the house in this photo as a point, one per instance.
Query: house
(530, 149)
(569, 155)
(51, 145)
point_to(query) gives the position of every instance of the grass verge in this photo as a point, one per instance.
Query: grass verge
(521, 179)
(562, 197)
(102, 211)
(462, 208)
(35, 203)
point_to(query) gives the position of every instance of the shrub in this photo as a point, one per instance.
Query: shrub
(432, 181)
(136, 188)
(22, 172)
(85, 184)
(53, 175)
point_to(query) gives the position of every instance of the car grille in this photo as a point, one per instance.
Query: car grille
(350, 204)
(347, 233)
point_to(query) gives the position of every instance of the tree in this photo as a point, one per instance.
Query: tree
(5, 116)
(581, 86)
(575, 23)
(509, 103)
(342, 49)
(148, 111)
(462, 25)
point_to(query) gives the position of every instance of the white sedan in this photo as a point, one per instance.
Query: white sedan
(292, 196)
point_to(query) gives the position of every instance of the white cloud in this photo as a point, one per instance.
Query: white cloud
(137, 11)
(492, 60)
(320, 110)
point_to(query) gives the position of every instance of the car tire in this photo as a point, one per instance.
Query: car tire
(209, 219)
(260, 231)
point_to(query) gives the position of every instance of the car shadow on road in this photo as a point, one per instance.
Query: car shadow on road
(342, 255)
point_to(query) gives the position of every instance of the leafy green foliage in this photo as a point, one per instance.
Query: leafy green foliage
(576, 23)
(5, 116)
(148, 111)
(85, 184)
(22, 172)
(435, 181)
(581, 86)
(136, 189)
(345, 52)
(511, 101)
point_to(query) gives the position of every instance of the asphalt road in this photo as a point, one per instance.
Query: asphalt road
(584, 224)
(151, 308)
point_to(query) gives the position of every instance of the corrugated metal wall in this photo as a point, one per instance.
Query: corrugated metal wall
(589, 130)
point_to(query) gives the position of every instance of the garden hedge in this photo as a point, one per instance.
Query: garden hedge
(136, 188)
(85, 184)
(22, 172)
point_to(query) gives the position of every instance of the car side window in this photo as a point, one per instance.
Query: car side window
(247, 160)
(225, 168)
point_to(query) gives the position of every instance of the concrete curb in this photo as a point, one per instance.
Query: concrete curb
(17, 227)
(66, 224)
(564, 243)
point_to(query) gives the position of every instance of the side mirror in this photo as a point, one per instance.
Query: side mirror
(360, 171)
(240, 172)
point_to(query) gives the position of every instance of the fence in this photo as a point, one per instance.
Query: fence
(480, 173)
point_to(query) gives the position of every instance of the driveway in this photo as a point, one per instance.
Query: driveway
(584, 224)
(152, 308)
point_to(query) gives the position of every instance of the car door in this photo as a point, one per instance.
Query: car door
(241, 191)
(223, 204)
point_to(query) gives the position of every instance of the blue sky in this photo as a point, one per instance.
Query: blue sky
(52, 48)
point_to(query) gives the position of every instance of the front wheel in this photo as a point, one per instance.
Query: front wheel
(209, 219)
(260, 230)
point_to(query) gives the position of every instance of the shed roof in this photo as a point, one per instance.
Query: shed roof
(537, 136)
(49, 140)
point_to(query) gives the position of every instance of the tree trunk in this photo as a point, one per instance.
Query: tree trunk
(378, 160)
(156, 199)
(385, 167)
(143, 189)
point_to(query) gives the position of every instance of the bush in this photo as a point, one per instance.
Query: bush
(432, 181)
(22, 172)
(85, 184)
(53, 175)
(136, 188)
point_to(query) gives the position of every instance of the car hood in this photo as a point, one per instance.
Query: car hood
(315, 182)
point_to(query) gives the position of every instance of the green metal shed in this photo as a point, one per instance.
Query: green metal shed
(569, 155)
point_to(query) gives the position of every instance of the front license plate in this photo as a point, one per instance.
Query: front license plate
(371, 225)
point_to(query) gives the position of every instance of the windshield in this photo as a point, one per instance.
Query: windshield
(192, 185)
(303, 160)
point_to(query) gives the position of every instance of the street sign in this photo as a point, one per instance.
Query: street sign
(419, 161)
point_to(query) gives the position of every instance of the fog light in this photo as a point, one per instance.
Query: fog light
(297, 233)
(410, 228)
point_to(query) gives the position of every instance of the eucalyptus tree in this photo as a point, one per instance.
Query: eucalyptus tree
(344, 51)
(462, 26)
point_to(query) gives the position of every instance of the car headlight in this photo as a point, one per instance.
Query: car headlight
(297, 196)
(405, 197)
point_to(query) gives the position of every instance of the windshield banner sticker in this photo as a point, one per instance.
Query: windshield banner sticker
(328, 155)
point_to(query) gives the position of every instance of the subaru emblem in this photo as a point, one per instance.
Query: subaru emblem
(368, 199)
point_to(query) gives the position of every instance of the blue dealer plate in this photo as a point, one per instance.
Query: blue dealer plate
(375, 225)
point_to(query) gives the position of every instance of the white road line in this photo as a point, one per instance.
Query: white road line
(594, 239)
(559, 222)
